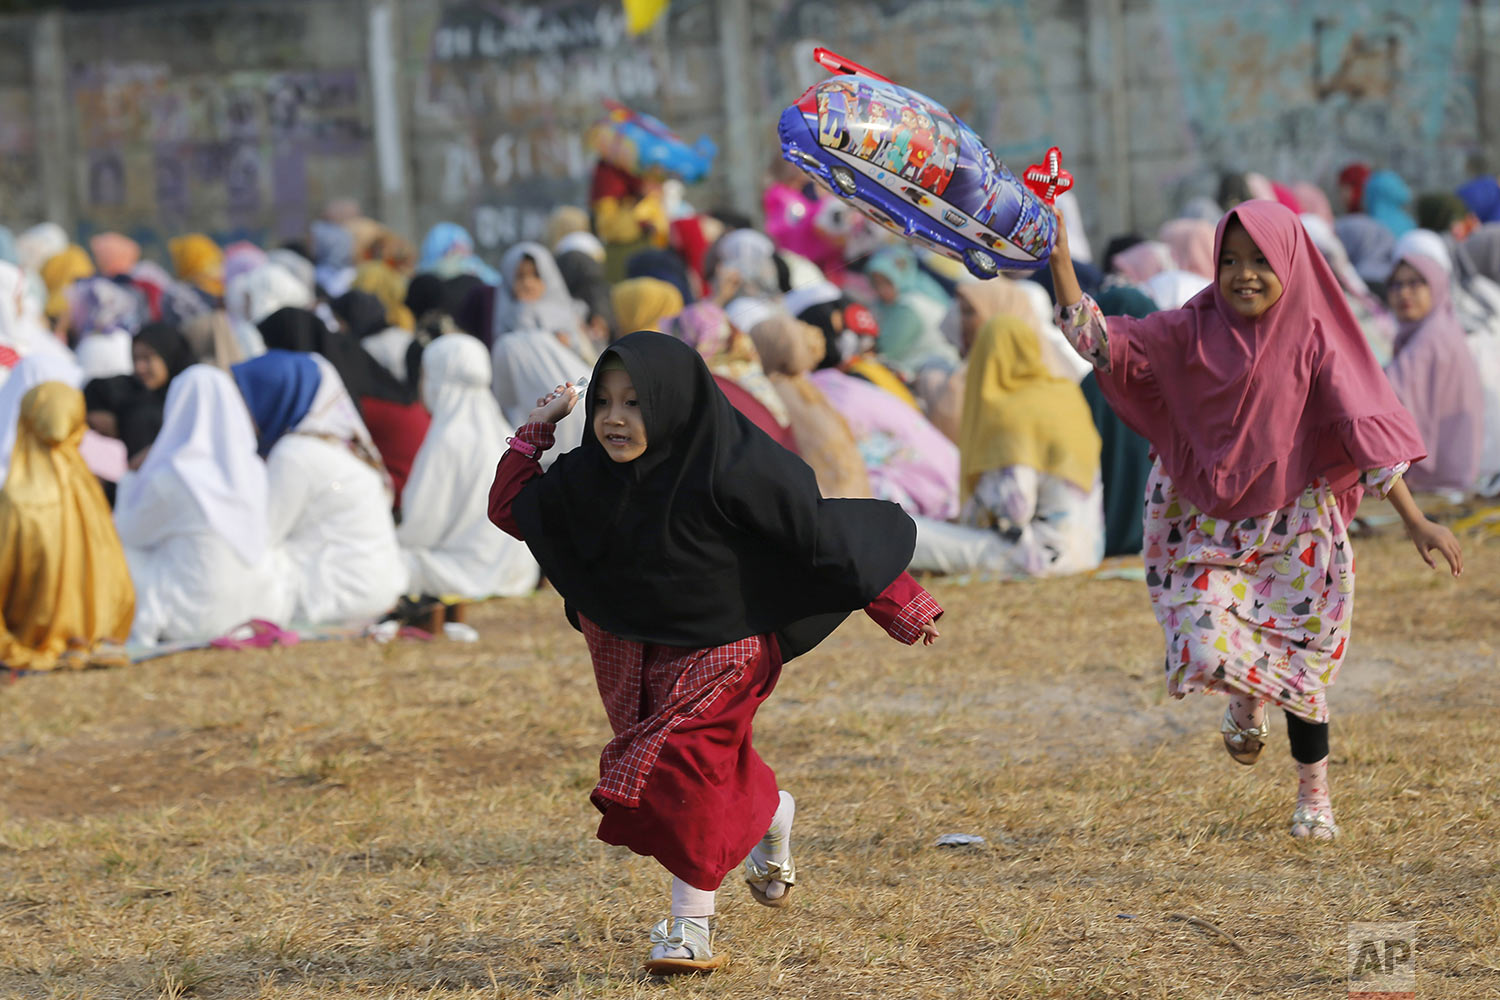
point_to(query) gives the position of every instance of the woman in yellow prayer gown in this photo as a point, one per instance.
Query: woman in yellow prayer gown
(65, 590)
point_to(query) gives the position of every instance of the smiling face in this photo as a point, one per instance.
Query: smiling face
(1409, 295)
(1245, 277)
(618, 423)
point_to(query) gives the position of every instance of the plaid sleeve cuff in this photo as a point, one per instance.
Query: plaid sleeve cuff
(539, 436)
(918, 612)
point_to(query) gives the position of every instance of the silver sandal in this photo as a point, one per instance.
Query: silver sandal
(1316, 824)
(759, 876)
(1244, 745)
(675, 932)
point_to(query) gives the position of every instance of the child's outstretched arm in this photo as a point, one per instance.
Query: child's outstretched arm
(1424, 534)
(907, 612)
(1064, 279)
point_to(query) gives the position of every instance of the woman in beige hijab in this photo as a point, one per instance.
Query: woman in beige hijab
(789, 349)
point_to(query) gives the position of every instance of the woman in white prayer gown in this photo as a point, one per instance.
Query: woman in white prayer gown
(528, 364)
(330, 502)
(451, 548)
(193, 519)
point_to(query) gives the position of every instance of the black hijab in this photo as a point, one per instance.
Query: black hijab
(716, 533)
(423, 294)
(293, 329)
(139, 411)
(586, 282)
(361, 312)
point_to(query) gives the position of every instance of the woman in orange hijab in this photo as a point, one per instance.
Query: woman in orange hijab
(65, 590)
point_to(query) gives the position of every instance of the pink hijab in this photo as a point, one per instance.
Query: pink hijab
(1434, 376)
(1313, 200)
(1245, 414)
(1142, 262)
(1192, 245)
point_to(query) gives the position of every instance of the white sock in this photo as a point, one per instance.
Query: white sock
(690, 901)
(776, 845)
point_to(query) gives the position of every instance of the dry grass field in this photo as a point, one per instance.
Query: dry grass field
(346, 819)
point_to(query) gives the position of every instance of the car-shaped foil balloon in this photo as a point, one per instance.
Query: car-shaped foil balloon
(912, 166)
(640, 144)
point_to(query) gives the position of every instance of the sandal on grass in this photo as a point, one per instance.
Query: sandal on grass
(681, 934)
(1244, 745)
(759, 876)
(1310, 823)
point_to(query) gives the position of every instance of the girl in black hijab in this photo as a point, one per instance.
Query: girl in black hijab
(696, 556)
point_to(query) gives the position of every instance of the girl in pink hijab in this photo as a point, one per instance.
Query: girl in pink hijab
(1433, 373)
(1268, 417)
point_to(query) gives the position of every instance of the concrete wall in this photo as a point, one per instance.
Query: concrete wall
(244, 118)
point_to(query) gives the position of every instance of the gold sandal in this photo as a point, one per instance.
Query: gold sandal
(759, 877)
(1316, 824)
(1244, 745)
(676, 932)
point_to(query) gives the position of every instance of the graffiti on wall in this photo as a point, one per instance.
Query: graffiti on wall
(506, 93)
(1321, 83)
(238, 148)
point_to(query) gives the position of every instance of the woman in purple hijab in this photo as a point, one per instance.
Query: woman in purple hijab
(1433, 373)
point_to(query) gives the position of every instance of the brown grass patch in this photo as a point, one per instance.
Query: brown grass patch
(412, 821)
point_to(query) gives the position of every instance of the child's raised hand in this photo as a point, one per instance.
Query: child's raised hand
(930, 634)
(555, 405)
(1428, 536)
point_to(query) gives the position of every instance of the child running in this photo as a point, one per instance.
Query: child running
(696, 557)
(1268, 418)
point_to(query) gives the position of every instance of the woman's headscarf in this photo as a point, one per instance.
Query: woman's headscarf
(1355, 176)
(59, 273)
(300, 330)
(211, 337)
(1313, 201)
(448, 250)
(1192, 244)
(298, 266)
(63, 577)
(899, 265)
(242, 257)
(585, 243)
(1483, 247)
(751, 254)
(386, 284)
(31, 372)
(199, 261)
(554, 312)
(1433, 374)
(98, 305)
(1482, 196)
(528, 364)
(1370, 244)
(714, 534)
(40, 244)
(643, 303)
(256, 294)
(333, 256)
(727, 352)
(115, 253)
(663, 265)
(208, 440)
(361, 313)
(1016, 412)
(1386, 199)
(1245, 414)
(278, 388)
(564, 221)
(1143, 261)
(789, 349)
(584, 275)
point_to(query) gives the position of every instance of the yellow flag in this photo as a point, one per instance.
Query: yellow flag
(640, 15)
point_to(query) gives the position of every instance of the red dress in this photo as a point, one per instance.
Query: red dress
(398, 431)
(680, 781)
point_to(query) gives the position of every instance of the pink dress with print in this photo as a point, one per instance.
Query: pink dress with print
(1261, 604)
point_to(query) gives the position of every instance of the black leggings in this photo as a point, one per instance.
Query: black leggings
(1309, 740)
